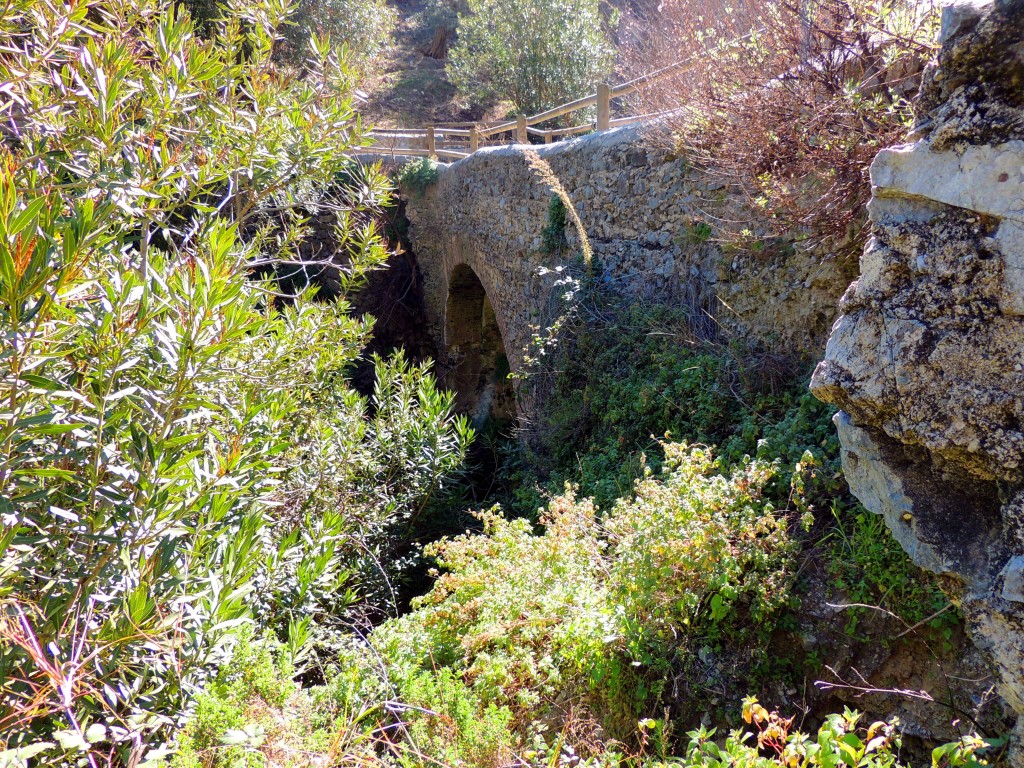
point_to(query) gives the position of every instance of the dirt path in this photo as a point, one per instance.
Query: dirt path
(412, 89)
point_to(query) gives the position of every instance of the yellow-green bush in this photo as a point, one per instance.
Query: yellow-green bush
(696, 549)
(588, 616)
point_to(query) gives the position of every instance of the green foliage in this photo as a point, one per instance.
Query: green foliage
(970, 752)
(417, 175)
(362, 29)
(870, 567)
(700, 550)
(693, 234)
(595, 613)
(839, 742)
(222, 729)
(180, 456)
(637, 372)
(461, 729)
(507, 600)
(697, 548)
(537, 54)
(553, 234)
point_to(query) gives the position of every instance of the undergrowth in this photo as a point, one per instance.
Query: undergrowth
(870, 570)
(634, 374)
(659, 561)
(416, 176)
(254, 715)
(613, 626)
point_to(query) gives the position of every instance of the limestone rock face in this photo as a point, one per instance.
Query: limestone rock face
(926, 360)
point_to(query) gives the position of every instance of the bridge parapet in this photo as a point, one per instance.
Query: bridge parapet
(646, 215)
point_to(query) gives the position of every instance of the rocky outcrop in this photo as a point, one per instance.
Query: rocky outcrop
(927, 358)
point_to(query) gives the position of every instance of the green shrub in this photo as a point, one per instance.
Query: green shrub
(224, 728)
(636, 373)
(593, 614)
(537, 54)
(452, 724)
(416, 176)
(698, 551)
(363, 27)
(839, 742)
(696, 233)
(361, 30)
(505, 605)
(700, 545)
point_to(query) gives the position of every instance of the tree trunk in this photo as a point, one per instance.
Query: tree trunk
(439, 45)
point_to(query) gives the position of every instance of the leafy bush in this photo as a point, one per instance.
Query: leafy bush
(581, 623)
(417, 175)
(223, 728)
(460, 729)
(180, 455)
(509, 600)
(698, 549)
(839, 742)
(536, 54)
(683, 526)
(361, 28)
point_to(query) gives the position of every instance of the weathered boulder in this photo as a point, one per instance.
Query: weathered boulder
(926, 360)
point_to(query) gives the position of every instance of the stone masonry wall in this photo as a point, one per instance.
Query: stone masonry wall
(926, 359)
(641, 211)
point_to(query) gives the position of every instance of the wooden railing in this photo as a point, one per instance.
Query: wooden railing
(453, 141)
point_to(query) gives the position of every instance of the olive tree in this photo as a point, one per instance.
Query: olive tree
(363, 27)
(536, 54)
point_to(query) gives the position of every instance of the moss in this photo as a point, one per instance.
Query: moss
(553, 234)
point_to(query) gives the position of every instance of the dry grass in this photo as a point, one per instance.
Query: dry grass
(546, 174)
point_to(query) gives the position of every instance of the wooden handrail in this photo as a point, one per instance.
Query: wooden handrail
(426, 141)
(564, 109)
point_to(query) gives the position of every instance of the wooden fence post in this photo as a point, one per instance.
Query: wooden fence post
(521, 137)
(474, 139)
(604, 106)
(431, 144)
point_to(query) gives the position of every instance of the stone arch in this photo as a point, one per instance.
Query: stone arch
(478, 365)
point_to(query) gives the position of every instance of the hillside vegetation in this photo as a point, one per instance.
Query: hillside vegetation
(208, 534)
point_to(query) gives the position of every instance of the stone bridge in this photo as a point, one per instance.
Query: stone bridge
(491, 286)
